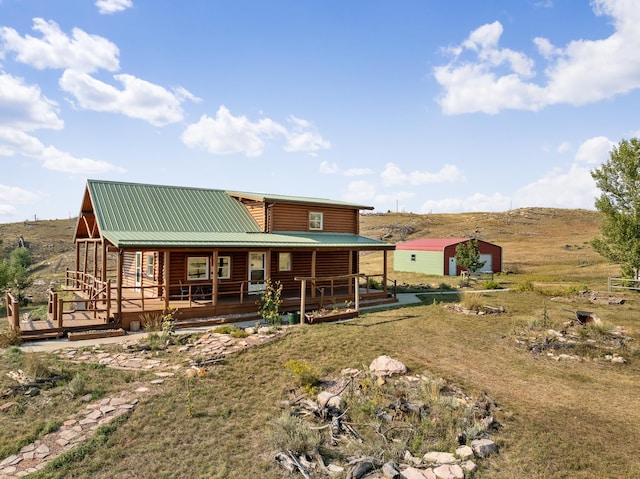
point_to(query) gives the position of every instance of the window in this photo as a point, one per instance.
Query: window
(224, 269)
(413, 257)
(151, 262)
(315, 221)
(197, 268)
(284, 262)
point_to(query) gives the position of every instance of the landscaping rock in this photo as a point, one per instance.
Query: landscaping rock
(449, 471)
(386, 366)
(435, 457)
(483, 447)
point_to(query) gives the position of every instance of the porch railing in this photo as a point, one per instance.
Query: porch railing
(13, 311)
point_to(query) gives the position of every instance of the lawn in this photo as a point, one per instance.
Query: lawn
(561, 419)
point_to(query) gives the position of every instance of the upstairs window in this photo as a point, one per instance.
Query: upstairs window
(315, 221)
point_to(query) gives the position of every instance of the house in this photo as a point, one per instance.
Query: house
(143, 249)
(437, 256)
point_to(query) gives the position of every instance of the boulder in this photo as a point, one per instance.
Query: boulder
(386, 366)
(483, 447)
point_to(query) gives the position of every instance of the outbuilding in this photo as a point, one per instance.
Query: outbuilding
(437, 256)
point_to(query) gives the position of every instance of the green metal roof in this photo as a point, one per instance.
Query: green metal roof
(155, 216)
(142, 239)
(298, 199)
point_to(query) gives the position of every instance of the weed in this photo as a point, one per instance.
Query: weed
(491, 284)
(232, 330)
(151, 321)
(471, 301)
(306, 375)
(270, 302)
(77, 386)
(10, 337)
(290, 433)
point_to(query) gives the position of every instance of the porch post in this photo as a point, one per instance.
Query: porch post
(350, 272)
(86, 257)
(384, 272)
(214, 278)
(165, 280)
(313, 273)
(78, 243)
(303, 291)
(119, 283)
(104, 261)
(95, 260)
(356, 280)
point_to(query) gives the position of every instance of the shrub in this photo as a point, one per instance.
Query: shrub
(524, 286)
(270, 308)
(491, 284)
(232, 330)
(306, 375)
(10, 337)
(290, 433)
(77, 386)
(151, 321)
(471, 301)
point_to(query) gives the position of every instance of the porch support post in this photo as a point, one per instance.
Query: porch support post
(350, 272)
(214, 278)
(86, 257)
(165, 279)
(384, 272)
(95, 260)
(313, 273)
(267, 267)
(119, 284)
(356, 280)
(104, 261)
(303, 292)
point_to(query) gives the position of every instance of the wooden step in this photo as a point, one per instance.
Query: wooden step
(94, 334)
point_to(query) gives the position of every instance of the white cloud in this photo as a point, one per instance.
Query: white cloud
(24, 107)
(333, 169)
(393, 175)
(584, 71)
(475, 202)
(107, 7)
(303, 137)
(15, 142)
(595, 150)
(360, 191)
(138, 98)
(12, 195)
(226, 134)
(82, 52)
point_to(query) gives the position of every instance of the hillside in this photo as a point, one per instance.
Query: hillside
(534, 241)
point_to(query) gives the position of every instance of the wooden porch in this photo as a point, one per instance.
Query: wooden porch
(88, 304)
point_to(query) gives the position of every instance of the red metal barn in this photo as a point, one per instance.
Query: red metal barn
(437, 256)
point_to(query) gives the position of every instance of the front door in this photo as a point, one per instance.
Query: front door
(257, 272)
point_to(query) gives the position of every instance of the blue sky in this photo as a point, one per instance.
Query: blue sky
(439, 106)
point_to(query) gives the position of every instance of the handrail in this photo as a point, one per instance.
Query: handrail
(13, 311)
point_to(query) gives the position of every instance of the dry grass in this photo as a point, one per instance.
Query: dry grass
(560, 419)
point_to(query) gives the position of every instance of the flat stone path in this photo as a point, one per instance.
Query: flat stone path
(75, 430)
(80, 426)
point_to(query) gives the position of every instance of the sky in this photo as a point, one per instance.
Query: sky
(422, 106)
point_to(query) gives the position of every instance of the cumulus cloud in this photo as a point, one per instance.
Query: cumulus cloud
(595, 150)
(137, 98)
(393, 175)
(12, 195)
(475, 202)
(328, 168)
(303, 137)
(483, 77)
(107, 7)
(81, 52)
(15, 142)
(25, 107)
(227, 134)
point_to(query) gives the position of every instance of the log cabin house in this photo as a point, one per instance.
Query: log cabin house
(202, 253)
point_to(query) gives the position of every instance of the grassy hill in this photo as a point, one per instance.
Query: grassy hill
(541, 244)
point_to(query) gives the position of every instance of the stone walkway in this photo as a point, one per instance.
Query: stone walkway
(130, 355)
(75, 430)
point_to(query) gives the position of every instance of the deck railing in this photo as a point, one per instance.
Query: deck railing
(13, 311)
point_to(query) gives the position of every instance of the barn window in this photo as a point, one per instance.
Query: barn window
(315, 221)
(413, 257)
(284, 262)
(224, 267)
(197, 268)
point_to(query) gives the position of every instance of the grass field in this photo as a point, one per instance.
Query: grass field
(559, 419)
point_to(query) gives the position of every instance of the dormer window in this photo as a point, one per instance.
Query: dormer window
(315, 221)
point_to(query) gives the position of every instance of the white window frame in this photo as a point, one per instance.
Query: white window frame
(284, 261)
(197, 263)
(257, 284)
(224, 262)
(315, 220)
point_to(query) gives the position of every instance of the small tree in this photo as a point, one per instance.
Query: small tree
(270, 302)
(468, 256)
(619, 181)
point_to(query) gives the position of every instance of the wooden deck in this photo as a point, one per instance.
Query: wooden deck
(186, 312)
